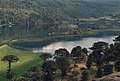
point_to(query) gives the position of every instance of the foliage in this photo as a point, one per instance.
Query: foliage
(117, 66)
(61, 52)
(79, 54)
(45, 56)
(20, 18)
(27, 60)
(99, 73)
(85, 76)
(117, 39)
(108, 69)
(10, 59)
(63, 65)
(49, 66)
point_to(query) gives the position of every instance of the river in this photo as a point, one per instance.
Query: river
(83, 42)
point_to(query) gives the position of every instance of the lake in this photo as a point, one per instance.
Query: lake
(83, 42)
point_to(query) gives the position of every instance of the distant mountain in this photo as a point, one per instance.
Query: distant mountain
(28, 15)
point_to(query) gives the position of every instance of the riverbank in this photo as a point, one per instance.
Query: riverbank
(29, 43)
(28, 58)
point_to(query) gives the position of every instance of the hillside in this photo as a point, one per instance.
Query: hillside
(26, 59)
(111, 77)
(29, 18)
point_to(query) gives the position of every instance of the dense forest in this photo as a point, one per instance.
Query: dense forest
(26, 22)
(78, 65)
(29, 18)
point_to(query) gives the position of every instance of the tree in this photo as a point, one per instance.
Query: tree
(85, 76)
(99, 73)
(61, 52)
(74, 76)
(85, 51)
(98, 52)
(10, 59)
(97, 56)
(116, 50)
(117, 39)
(100, 46)
(62, 60)
(108, 69)
(22, 79)
(49, 68)
(34, 74)
(63, 64)
(76, 52)
(89, 61)
(45, 56)
(79, 54)
(117, 66)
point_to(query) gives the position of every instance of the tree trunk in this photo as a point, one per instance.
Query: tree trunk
(9, 71)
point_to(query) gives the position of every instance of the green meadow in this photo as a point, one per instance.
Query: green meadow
(27, 60)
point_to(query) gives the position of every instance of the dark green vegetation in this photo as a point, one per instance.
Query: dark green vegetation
(103, 60)
(29, 19)
(37, 18)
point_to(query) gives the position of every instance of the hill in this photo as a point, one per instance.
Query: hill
(26, 60)
(33, 18)
(111, 77)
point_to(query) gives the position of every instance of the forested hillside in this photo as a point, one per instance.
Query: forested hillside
(29, 18)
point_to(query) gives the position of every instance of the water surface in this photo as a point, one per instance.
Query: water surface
(83, 42)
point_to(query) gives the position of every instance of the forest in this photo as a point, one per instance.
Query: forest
(78, 65)
(29, 18)
(24, 22)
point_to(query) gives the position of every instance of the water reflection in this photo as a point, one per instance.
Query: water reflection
(84, 42)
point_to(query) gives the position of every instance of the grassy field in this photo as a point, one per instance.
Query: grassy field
(26, 60)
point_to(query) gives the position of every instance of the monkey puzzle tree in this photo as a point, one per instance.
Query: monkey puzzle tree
(62, 60)
(79, 54)
(49, 68)
(10, 59)
(61, 52)
(63, 64)
(117, 39)
(108, 69)
(89, 61)
(116, 50)
(117, 66)
(85, 76)
(45, 56)
(76, 52)
(98, 53)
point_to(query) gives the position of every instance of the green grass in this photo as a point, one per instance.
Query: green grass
(26, 60)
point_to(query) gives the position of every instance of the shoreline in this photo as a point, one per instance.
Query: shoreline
(23, 44)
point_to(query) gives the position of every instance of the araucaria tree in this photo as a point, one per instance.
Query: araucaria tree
(10, 59)
(63, 65)
(97, 56)
(78, 54)
(117, 66)
(49, 68)
(85, 76)
(62, 60)
(45, 56)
